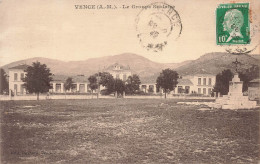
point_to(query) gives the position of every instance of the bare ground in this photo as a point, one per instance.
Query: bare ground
(126, 131)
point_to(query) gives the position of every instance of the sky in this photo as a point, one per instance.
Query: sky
(55, 29)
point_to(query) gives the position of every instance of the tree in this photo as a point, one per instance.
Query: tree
(132, 84)
(247, 75)
(167, 80)
(222, 82)
(37, 79)
(119, 86)
(93, 82)
(107, 80)
(4, 87)
(68, 84)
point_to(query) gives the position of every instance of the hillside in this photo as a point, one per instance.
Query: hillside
(216, 62)
(56, 66)
(138, 64)
(148, 70)
(256, 56)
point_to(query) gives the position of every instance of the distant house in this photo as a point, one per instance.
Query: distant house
(198, 83)
(184, 86)
(148, 85)
(119, 71)
(16, 74)
(254, 89)
(80, 85)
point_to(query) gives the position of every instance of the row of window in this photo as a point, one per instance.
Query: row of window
(186, 89)
(16, 76)
(204, 90)
(82, 87)
(124, 77)
(22, 76)
(22, 89)
(204, 81)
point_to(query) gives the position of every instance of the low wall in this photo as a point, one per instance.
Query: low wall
(57, 97)
(171, 97)
(52, 97)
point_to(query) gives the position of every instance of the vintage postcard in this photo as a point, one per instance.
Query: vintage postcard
(141, 81)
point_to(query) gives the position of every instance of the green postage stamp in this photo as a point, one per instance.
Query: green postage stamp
(233, 26)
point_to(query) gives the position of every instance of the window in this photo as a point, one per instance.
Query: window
(187, 89)
(22, 76)
(15, 76)
(199, 90)
(151, 89)
(199, 81)
(124, 77)
(204, 81)
(209, 91)
(144, 88)
(74, 87)
(179, 89)
(204, 91)
(88, 88)
(21, 88)
(81, 88)
(58, 87)
(15, 87)
(209, 81)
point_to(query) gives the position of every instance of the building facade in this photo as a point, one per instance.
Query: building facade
(16, 74)
(119, 71)
(148, 88)
(254, 90)
(80, 84)
(198, 83)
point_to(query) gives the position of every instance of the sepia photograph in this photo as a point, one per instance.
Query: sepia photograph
(141, 81)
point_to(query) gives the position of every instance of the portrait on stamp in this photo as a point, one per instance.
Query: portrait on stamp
(233, 25)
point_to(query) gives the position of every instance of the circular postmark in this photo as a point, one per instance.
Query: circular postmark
(156, 24)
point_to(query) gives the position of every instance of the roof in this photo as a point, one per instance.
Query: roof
(22, 66)
(117, 67)
(75, 79)
(204, 74)
(184, 82)
(148, 80)
(255, 81)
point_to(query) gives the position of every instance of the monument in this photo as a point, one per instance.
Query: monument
(235, 98)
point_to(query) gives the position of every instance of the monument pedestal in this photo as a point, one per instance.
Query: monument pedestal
(235, 98)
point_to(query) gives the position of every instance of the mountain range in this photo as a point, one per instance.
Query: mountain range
(211, 63)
